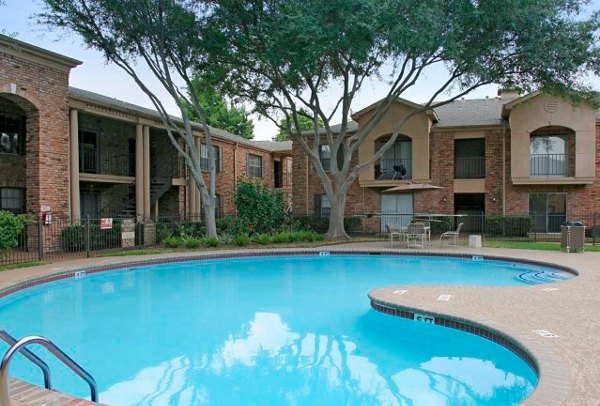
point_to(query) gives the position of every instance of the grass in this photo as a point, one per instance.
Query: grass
(532, 245)
(22, 265)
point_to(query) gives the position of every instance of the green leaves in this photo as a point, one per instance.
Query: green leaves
(219, 113)
(11, 226)
(260, 208)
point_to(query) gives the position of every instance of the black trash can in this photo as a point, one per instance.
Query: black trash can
(572, 236)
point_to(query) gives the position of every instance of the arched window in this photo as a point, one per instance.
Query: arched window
(548, 151)
(396, 162)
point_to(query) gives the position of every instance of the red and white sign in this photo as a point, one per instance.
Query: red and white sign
(106, 224)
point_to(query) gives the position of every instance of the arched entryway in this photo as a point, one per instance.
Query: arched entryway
(552, 152)
(18, 126)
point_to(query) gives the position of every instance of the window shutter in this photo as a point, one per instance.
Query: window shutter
(219, 162)
(248, 165)
(317, 210)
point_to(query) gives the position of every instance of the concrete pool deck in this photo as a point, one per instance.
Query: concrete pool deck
(569, 362)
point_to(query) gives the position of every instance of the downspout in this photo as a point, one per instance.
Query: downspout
(504, 171)
(306, 183)
(235, 147)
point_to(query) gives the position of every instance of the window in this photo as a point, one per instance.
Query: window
(254, 166)
(88, 151)
(12, 130)
(322, 206)
(547, 211)
(325, 157)
(548, 155)
(396, 162)
(12, 199)
(204, 157)
(469, 158)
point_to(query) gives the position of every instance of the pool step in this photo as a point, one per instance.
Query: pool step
(538, 277)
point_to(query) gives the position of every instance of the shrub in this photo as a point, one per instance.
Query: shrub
(230, 225)
(310, 236)
(260, 208)
(191, 242)
(262, 239)
(11, 226)
(172, 242)
(321, 224)
(73, 238)
(210, 241)
(508, 226)
(226, 239)
(241, 240)
(283, 237)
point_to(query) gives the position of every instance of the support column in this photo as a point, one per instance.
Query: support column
(146, 188)
(74, 157)
(192, 197)
(139, 171)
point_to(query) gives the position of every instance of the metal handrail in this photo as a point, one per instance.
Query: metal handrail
(57, 352)
(10, 340)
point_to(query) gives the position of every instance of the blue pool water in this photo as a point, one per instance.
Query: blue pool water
(269, 331)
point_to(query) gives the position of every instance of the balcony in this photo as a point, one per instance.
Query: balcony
(91, 162)
(469, 167)
(393, 169)
(548, 165)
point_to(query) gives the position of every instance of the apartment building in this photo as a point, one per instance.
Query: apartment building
(70, 153)
(513, 155)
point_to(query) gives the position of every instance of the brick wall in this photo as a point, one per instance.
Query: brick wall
(42, 92)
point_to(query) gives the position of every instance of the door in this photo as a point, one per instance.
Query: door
(89, 204)
(396, 209)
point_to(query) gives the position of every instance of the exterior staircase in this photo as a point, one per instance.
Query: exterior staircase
(158, 187)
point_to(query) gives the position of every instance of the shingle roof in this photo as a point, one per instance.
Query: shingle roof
(471, 112)
(121, 105)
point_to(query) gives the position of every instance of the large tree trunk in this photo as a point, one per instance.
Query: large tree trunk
(337, 230)
(208, 205)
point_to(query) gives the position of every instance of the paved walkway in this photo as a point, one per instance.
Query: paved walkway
(569, 363)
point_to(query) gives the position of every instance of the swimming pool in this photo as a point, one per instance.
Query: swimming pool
(270, 330)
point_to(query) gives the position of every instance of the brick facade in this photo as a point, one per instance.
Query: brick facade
(40, 88)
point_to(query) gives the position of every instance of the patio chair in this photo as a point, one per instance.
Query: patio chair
(416, 232)
(395, 231)
(452, 234)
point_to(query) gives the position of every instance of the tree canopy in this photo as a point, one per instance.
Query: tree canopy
(283, 54)
(219, 112)
(285, 125)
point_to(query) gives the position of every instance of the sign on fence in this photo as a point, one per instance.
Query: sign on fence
(127, 233)
(106, 224)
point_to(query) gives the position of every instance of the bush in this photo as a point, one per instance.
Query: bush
(503, 226)
(260, 208)
(11, 226)
(283, 237)
(321, 224)
(262, 239)
(191, 242)
(172, 242)
(184, 229)
(241, 240)
(73, 238)
(210, 241)
(230, 225)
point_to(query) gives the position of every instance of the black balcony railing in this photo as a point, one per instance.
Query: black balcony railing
(471, 167)
(393, 169)
(90, 161)
(548, 164)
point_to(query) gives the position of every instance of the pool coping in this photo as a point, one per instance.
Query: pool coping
(554, 383)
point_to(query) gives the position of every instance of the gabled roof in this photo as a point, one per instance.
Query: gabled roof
(519, 100)
(99, 99)
(399, 100)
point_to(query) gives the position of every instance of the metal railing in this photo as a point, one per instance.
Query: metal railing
(21, 345)
(393, 169)
(10, 340)
(93, 162)
(548, 164)
(469, 167)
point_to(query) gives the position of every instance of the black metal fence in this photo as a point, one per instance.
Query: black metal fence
(69, 239)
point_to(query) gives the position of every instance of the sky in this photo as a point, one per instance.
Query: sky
(96, 75)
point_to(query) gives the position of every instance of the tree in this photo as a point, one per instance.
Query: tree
(219, 113)
(283, 54)
(164, 36)
(305, 123)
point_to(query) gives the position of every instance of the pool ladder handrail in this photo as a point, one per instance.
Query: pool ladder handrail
(20, 346)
